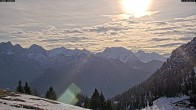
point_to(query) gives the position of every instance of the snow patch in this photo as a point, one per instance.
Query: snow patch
(176, 103)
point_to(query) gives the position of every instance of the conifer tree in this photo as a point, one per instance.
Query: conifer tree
(108, 105)
(27, 89)
(193, 89)
(51, 94)
(35, 92)
(86, 102)
(19, 87)
(95, 100)
(102, 102)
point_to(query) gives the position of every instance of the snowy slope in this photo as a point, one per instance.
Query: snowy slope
(177, 103)
(12, 101)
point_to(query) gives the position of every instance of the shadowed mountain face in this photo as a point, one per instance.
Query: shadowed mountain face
(61, 67)
(176, 77)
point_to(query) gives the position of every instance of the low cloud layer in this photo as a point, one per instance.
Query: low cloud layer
(162, 37)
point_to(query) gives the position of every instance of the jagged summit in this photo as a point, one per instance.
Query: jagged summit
(117, 50)
(126, 55)
(37, 49)
(119, 53)
(8, 48)
(66, 52)
(6, 43)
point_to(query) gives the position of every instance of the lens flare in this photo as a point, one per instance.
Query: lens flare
(70, 95)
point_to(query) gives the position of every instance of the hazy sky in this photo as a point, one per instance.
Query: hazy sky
(149, 25)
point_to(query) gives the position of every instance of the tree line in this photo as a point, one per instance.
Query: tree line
(172, 83)
(50, 94)
(96, 102)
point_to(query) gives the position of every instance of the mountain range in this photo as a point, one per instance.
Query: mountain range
(112, 71)
(125, 55)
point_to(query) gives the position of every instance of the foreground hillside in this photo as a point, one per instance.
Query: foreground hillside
(13, 101)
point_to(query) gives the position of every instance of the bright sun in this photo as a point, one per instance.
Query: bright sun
(137, 8)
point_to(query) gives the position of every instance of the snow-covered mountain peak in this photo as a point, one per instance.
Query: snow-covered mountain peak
(126, 55)
(117, 50)
(119, 53)
(37, 53)
(147, 57)
(66, 52)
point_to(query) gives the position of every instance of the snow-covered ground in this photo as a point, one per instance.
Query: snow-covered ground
(12, 101)
(177, 103)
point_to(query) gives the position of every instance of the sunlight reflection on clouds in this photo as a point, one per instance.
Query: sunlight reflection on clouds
(159, 36)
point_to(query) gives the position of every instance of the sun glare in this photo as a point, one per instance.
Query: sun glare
(137, 8)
